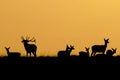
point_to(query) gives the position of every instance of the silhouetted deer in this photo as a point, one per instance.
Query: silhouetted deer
(99, 48)
(12, 54)
(84, 53)
(111, 51)
(66, 53)
(30, 48)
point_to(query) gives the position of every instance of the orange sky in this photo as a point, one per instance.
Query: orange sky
(55, 23)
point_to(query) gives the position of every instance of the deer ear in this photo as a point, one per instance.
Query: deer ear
(86, 48)
(112, 48)
(67, 45)
(104, 38)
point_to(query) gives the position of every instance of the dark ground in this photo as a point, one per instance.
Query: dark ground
(61, 67)
(72, 60)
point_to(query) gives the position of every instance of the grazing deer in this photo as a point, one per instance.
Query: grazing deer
(84, 53)
(12, 54)
(30, 48)
(66, 53)
(111, 51)
(99, 48)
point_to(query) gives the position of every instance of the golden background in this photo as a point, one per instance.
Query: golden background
(55, 23)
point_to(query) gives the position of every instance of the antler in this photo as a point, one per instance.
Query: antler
(27, 38)
(33, 40)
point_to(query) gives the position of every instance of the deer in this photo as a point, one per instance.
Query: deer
(99, 48)
(66, 53)
(111, 51)
(84, 53)
(12, 54)
(30, 48)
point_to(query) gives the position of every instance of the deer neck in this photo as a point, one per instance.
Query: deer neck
(105, 44)
(8, 52)
(69, 51)
(87, 51)
(26, 44)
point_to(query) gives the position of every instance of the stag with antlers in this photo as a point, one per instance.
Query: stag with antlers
(30, 48)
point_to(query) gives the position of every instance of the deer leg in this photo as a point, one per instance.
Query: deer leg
(34, 54)
(92, 54)
(103, 52)
(27, 54)
(30, 54)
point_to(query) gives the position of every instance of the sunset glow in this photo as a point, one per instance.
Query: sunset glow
(55, 23)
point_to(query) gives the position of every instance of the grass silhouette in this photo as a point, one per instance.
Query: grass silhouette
(71, 60)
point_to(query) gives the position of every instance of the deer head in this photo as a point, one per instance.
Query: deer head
(114, 50)
(72, 47)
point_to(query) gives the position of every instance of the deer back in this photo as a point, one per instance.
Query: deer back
(99, 48)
